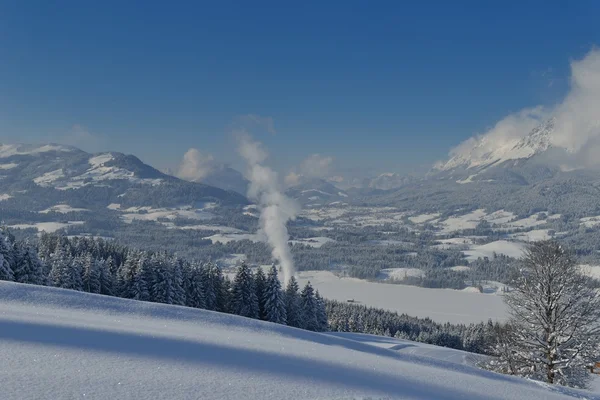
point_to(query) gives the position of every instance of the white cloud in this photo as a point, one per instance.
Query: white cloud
(314, 166)
(195, 165)
(577, 126)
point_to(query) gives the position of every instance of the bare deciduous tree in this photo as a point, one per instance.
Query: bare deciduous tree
(555, 319)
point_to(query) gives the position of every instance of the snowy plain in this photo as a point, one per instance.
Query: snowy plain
(60, 344)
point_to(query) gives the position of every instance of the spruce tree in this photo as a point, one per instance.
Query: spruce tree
(28, 266)
(6, 257)
(274, 301)
(244, 301)
(292, 304)
(195, 286)
(321, 313)
(105, 278)
(91, 274)
(260, 284)
(308, 305)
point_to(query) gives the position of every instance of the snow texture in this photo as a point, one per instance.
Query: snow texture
(63, 344)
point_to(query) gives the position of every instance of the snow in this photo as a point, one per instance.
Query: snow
(467, 180)
(462, 222)
(49, 177)
(590, 222)
(99, 160)
(154, 214)
(499, 217)
(532, 236)
(315, 242)
(419, 219)
(63, 209)
(460, 268)
(46, 226)
(113, 206)
(218, 228)
(591, 270)
(8, 166)
(399, 273)
(441, 305)
(511, 249)
(9, 150)
(5, 197)
(63, 344)
(232, 237)
(342, 194)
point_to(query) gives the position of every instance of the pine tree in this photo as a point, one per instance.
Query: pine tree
(28, 267)
(195, 286)
(308, 305)
(274, 301)
(91, 274)
(105, 278)
(260, 283)
(292, 304)
(244, 301)
(321, 313)
(6, 258)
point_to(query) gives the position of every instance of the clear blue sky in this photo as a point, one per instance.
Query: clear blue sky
(380, 84)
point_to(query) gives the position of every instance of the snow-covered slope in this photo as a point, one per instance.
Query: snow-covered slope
(484, 151)
(61, 344)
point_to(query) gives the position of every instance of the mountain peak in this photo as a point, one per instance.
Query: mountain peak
(483, 153)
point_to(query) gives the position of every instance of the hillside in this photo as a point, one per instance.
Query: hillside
(62, 344)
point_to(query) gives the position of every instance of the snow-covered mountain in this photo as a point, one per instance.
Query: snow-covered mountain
(56, 173)
(483, 152)
(63, 344)
(317, 191)
(387, 181)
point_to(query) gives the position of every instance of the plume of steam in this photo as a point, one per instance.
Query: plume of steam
(276, 209)
(196, 165)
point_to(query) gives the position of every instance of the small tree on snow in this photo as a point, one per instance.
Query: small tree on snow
(555, 324)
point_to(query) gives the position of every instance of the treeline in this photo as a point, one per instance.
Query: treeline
(476, 338)
(104, 267)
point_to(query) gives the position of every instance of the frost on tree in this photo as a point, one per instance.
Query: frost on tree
(274, 302)
(555, 320)
(292, 304)
(245, 302)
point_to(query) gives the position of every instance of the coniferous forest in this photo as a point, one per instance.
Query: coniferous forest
(104, 267)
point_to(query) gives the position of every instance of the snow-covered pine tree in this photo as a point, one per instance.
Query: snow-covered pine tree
(91, 274)
(105, 278)
(195, 281)
(244, 301)
(260, 283)
(274, 301)
(6, 257)
(555, 318)
(28, 266)
(321, 313)
(292, 304)
(308, 305)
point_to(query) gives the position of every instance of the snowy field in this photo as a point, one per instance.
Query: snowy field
(441, 305)
(512, 249)
(46, 226)
(58, 344)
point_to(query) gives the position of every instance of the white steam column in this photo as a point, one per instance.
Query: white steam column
(276, 209)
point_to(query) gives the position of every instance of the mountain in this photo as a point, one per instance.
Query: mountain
(226, 178)
(84, 345)
(316, 191)
(387, 181)
(483, 152)
(50, 174)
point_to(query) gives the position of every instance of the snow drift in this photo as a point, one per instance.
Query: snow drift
(63, 344)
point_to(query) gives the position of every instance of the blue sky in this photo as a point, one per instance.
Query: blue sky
(379, 85)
